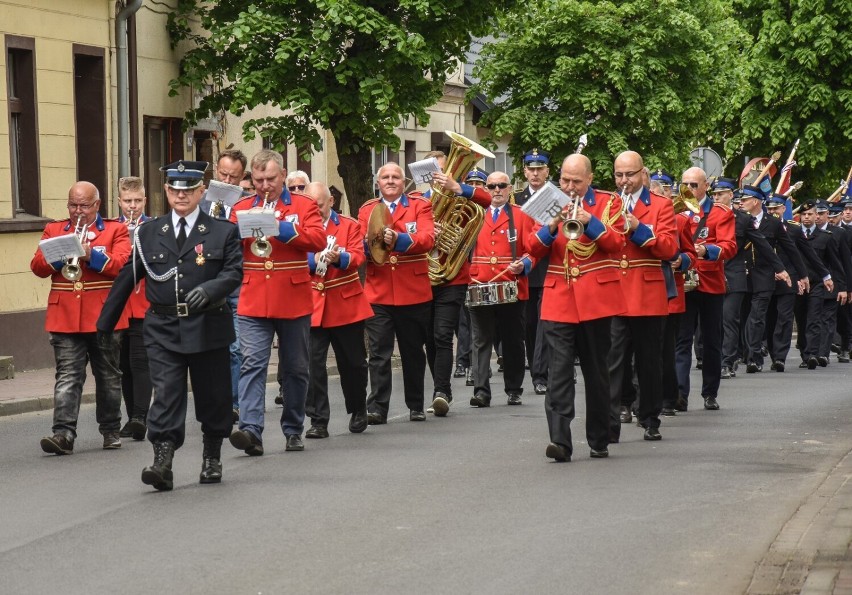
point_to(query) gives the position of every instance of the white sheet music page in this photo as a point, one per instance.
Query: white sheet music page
(222, 192)
(421, 171)
(254, 222)
(61, 247)
(546, 203)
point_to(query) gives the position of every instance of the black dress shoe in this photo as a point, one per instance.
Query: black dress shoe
(279, 400)
(822, 361)
(414, 415)
(137, 428)
(211, 461)
(469, 380)
(460, 372)
(317, 431)
(710, 403)
(599, 454)
(812, 363)
(514, 399)
(57, 445)
(668, 412)
(441, 404)
(480, 400)
(376, 419)
(625, 416)
(753, 368)
(125, 432)
(804, 364)
(699, 363)
(247, 442)
(540, 389)
(358, 422)
(294, 443)
(652, 434)
(778, 365)
(681, 404)
(558, 453)
(843, 357)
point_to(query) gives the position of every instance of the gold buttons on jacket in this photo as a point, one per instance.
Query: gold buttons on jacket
(493, 260)
(320, 286)
(268, 266)
(393, 259)
(78, 286)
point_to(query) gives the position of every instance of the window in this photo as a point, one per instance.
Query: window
(163, 145)
(23, 125)
(90, 119)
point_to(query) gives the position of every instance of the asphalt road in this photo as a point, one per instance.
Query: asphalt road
(465, 504)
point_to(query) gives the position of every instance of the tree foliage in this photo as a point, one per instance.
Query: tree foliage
(799, 86)
(647, 75)
(354, 67)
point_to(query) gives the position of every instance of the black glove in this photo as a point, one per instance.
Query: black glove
(197, 299)
(106, 339)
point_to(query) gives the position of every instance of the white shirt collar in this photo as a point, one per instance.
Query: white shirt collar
(190, 221)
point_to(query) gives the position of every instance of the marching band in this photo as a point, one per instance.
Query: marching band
(629, 276)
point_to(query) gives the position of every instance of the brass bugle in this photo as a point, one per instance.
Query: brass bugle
(261, 247)
(573, 228)
(72, 269)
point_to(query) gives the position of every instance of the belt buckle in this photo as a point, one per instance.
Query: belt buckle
(182, 309)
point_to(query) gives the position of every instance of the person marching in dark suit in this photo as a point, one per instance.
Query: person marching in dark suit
(191, 262)
(765, 268)
(536, 171)
(838, 237)
(844, 314)
(779, 319)
(809, 308)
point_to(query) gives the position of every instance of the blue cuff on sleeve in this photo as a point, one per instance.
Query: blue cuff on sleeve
(343, 263)
(312, 262)
(713, 251)
(527, 264)
(466, 190)
(57, 265)
(544, 236)
(286, 231)
(642, 235)
(403, 242)
(595, 228)
(685, 262)
(98, 260)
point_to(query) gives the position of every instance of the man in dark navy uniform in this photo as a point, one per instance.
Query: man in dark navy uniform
(191, 262)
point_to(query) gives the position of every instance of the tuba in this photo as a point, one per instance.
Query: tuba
(72, 270)
(459, 218)
(684, 201)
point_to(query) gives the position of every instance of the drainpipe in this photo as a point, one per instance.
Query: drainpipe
(121, 82)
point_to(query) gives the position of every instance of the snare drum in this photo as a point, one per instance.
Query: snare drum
(490, 294)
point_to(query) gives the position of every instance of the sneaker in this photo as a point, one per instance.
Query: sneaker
(294, 443)
(460, 372)
(57, 445)
(111, 441)
(441, 404)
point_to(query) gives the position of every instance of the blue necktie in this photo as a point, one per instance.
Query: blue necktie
(495, 215)
(392, 207)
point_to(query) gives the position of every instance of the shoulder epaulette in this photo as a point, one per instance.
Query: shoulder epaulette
(342, 216)
(792, 222)
(417, 196)
(722, 206)
(372, 200)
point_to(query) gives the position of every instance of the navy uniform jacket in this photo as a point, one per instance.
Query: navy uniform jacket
(763, 272)
(749, 240)
(825, 248)
(844, 249)
(798, 267)
(211, 258)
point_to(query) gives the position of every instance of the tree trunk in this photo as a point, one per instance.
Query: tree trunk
(354, 167)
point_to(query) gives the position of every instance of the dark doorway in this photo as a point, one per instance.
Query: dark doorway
(90, 118)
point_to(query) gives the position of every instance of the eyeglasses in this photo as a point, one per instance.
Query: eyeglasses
(626, 174)
(501, 186)
(296, 187)
(692, 184)
(77, 207)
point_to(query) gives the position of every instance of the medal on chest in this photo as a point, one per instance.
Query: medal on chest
(199, 251)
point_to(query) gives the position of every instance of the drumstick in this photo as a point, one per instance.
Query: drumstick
(501, 273)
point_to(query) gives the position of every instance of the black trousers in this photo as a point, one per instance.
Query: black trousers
(465, 338)
(844, 326)
(671, 328)
(410, 326)
(755, 326)
(732, 327)
(351, 355)
(809, 323)
(779, 322)
(210, 376)
(645, 345)
(485, 320)
(704, 309)
(829, 325)
(135, 373)
(541, 352)
(447, 301)
(591, 341)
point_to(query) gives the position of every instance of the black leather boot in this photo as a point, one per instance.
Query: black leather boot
(159, 474)
(211, 466)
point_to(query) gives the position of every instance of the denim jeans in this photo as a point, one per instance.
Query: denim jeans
(72, 351)
(235, 353)
(294, 360)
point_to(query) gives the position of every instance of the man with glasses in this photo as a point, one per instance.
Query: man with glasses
(297, 181)
(190, 262)
(651, 241)
(73, 307)
(501, 255)
(712, 232)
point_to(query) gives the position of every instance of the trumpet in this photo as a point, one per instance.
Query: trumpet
(261, 247)
(572, 227)
(71, 270)
(624, 209)
(322, 264)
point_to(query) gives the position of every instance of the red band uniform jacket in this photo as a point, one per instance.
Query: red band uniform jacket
(719, 238)
(338, 296)
(279, 286)
(137, 304)
(688, 257)
(492, 252)
(74, 306)
(403, 279)
(580, 287)
(653, 241)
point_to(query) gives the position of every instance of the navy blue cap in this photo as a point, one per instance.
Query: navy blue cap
(846, 201)
(536, 158)
(753, 192)
(722, 184)
(663, 177)
(476, 175)
(821, 206)
(775, 200)
(185, 175)
(808, 205)
(834, 209)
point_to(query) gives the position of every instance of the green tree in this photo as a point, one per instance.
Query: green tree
(800, 86)
(648, 75)
(354, 67)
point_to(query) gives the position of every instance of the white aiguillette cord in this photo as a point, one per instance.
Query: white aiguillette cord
(172, 272)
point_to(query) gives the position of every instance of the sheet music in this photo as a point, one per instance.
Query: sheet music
(226, 193)
(421, 171)
(546, 203)
(257, 222)
(61, 248)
